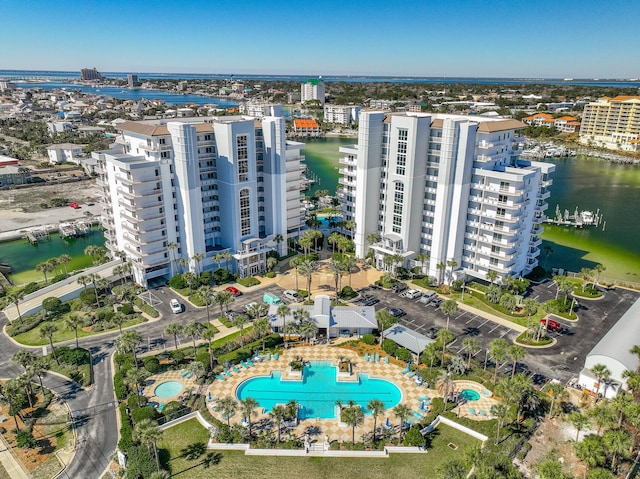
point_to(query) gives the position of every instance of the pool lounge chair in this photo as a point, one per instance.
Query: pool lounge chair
(160, 407)
(418, 415)
(228, 373)
(406, 370)
(377, 357)
(212, 399)
(236, 369)
(386, 359)
(366, 357)
(250, 363)
(472, 411)
(221, 378)
(268, 356)
(411, 374)
(188, 375)
(482, 413)
(243, 364)
(276, 356)
(184, 373)
(423, 398)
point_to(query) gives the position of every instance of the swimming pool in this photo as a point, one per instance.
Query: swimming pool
(318, 392)
(470, 394)
(168, 389)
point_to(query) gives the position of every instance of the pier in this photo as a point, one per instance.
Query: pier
(34, 235)
(72, 230)
(578, 219)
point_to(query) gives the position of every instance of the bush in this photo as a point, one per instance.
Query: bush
(126, 431)
(31, 288)
(25, 324)
(347, 293)
(88, 296)
(413, 437)
(403, 354)
(140, 462)
(149, 310)
(368, 339)
(145, 412)
(222, 275)
(58, 277)
(126, 309)
(248, 282)
(152, 365)
(52, 305)
(25, 439)
(178, 355)
(390, 347)
(178, 282)
(119, 386)
(134, 400)
(171, 407)
(537, 274)
(75, 356)
(270, 274)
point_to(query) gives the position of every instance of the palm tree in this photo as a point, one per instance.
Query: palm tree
(500, 411)
(239, 321)
(271, 263)
(24, 358)
(444, 385)
(452, 263)
(182, 262)
(308, 329)
(598, 270)
(307, 268)
(262, 328)
(134, 379)
(295, 262)
(47, 330)
(258, 310)
(128, 342)
(191, 279)
(336, 268)
(333, 239)
(84, 281)
(172, 247)
(39, 368)
(196, 368)
(197, 258)
(278, 414)
(12, 393)
(44, 268)
(72, 322)
(248, 408)
(516, 353)
(205, 292)
(602, 373)
(618, 443)
(602, 415)
(64, 259)
(423, 258)
(498, 351)
(557, 392)
(591, 451)
(282, 312)
(353, 417)
(174, 329)
(445, 337)
(441, 267)
(402, 412)
(349, 262)
(147, 433)
(448, 308)
(223, 299)
(579, 421)
(94, 278)
(530, 306)
(161, 474)
(14, 297)
(430, 354)
(208, 334)
(385, 320)
(620, 404)
(377, 408)
(194, 331)
(492, 276)
(472, 346)
(227, 407)
(92, 251)
(278, 238)
(635, 350)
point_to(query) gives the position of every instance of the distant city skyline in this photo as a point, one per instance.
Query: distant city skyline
(465, 38)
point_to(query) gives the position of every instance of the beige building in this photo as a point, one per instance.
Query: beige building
(612, 123)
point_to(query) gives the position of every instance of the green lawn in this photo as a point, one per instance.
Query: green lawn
(33, 338)
(235, 464)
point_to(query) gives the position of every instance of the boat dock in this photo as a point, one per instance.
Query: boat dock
(578, 219)
(34, 235)
(74, 229)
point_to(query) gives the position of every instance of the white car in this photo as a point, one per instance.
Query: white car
(176, 307)
(291, 295)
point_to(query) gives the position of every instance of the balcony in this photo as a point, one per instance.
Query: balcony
(346, 182)
(484, 158)
(485, 145)
(346, 161)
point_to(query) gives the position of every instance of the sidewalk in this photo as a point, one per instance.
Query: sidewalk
(10, 463)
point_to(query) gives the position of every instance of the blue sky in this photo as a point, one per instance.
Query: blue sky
(494, 38)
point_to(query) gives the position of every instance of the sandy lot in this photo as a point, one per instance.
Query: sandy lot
(21, 209)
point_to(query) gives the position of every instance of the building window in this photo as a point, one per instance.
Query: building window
(502, 198)
(245, 213)
(243, 158)
(402, 134)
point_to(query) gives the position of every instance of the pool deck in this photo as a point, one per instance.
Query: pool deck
(154, 381)
(318, 428)
(479, 410)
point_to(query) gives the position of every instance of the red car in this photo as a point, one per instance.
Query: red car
(552, 325)
(233, 290)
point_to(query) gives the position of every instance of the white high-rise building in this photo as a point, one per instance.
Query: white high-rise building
(447, 186)
(341, 114)
(192, 188)
(312, 90)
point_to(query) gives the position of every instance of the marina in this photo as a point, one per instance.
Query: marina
(578, 219)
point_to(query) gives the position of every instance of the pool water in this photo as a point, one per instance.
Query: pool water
(168, 389)
(470, 394)
(318, 392)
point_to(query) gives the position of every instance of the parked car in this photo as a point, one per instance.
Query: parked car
(233, 290)
(176, 307)
(432, 333)
(399, 287)
(412, 294)
(552, 325)
(436, 302)
(428, 297)
(248, 306)
(396, 312)
(291, 295)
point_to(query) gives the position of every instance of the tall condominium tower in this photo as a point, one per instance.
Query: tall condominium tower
(613, 123)
(196, 188)
(446, 193)
(312, 90)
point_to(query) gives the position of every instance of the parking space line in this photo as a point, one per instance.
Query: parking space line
(505, 333)
(485, 322)
(461, 315)
(496, 327)
(472, 318)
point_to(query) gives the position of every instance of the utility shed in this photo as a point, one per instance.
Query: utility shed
(407, 338)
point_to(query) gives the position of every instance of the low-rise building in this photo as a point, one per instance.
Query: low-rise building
(341, 114)
(65, 153)
(11, 173)
(260, 110)
(565, 124)
(307, 128)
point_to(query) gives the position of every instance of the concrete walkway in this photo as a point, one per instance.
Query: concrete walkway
(10, 463)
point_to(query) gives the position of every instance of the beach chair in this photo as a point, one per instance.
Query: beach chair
(221, 378)
(236, 369)
(366, 357)
(268, 357)
(212, 399)
(377, 357)
(188, 375)
(228, 373)
(423, 398)
(243, 364)
(276, 356)
(250, 363)
(386, 359)
(406, 370)
(482, 413)
(184, 373)
(411, 374)
(472, 411)
(160, 407)
(418, 416)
